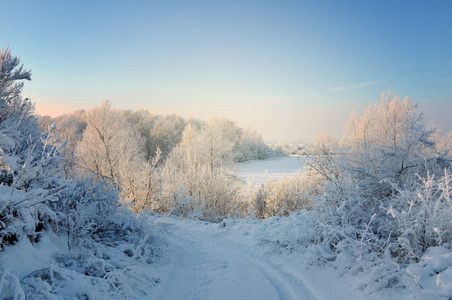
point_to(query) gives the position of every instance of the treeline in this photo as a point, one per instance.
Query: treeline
(159, 133)
(290, 148)
(162, 163)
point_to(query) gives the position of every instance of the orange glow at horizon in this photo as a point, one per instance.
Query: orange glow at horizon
(53, 111)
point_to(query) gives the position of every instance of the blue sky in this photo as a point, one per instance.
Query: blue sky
(285, 68)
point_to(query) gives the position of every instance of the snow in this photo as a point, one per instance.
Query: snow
(246, 259)
(258, 171)
(434, 272)
(204, 265)
(234, 259)
(31, 258)
(74, 274)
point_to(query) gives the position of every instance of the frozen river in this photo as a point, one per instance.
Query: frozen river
(274, 168)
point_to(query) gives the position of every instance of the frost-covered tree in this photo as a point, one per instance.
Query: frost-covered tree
(161, 133)
(198, 180)
(108, 144)
(11, 76)
(65, 130)
(322, 156)
(195, 191)
(207, 145)
(113, 151)
(251, 147)
(385, 189)
(141, 183)
(166, 132)
(29, 184)
(211, 146)
(389, 140)
(16, 113)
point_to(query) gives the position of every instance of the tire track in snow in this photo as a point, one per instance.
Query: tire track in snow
(203, 266)
(287, 285)
(173, 273)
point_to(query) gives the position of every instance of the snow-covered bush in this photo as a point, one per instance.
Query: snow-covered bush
(194, 190)
(385, 191)
(27, 162)
(424, 217)
(107, 243)
(322, 157)
(383, 151)
(24, 214)
(100, 250)
(389, 142)
(284, 196)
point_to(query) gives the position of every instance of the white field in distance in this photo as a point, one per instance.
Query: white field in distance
(256, 172)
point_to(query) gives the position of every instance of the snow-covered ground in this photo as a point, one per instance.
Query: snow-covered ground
(258, 171)
(235, 260)
(203, 265)
(182, 258)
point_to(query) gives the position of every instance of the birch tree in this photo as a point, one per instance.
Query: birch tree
(198, 179)
(113, 151)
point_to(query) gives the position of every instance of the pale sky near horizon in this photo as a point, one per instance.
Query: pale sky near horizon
(285, 68)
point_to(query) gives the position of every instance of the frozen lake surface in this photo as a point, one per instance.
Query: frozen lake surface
(273, 168)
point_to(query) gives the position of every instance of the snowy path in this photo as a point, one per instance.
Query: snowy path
(204, 266)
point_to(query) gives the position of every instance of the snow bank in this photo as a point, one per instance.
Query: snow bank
(115, 269)
(433, 274)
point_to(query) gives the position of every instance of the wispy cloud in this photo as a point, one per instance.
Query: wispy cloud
(352, 87)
